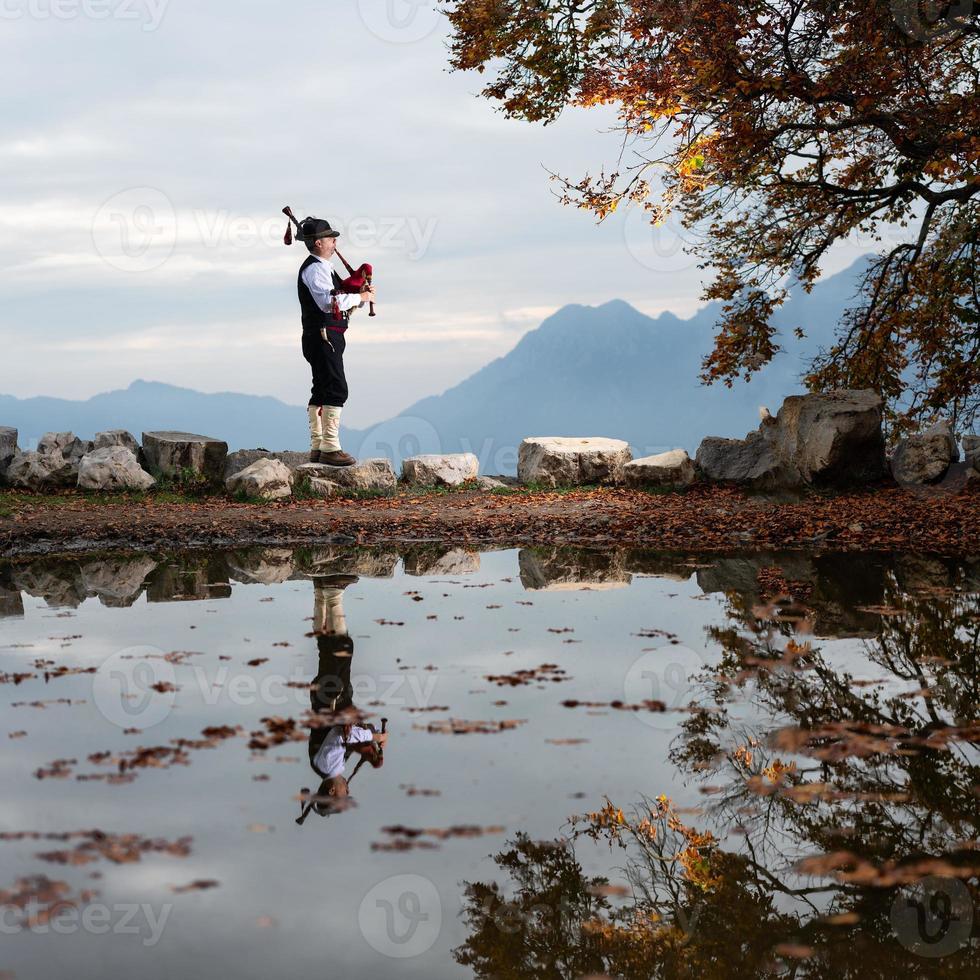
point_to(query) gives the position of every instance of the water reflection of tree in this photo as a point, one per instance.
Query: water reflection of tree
(873, 784)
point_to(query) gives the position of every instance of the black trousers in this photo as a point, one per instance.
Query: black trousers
(326, 358)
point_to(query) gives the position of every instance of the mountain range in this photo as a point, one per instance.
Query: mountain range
(607, 371)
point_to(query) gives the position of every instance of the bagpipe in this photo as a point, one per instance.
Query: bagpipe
(357, 279)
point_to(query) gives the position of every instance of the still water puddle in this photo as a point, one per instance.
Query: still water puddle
(594, 763)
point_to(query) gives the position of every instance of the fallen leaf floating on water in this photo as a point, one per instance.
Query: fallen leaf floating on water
(418, 791)
(257, 662)
(200, 885)
(649, 705)
(456, 726)
(520, 678)
(95, 845)
(408, 838)
(566, 741)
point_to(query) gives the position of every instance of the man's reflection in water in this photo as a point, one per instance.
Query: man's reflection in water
(331, 696)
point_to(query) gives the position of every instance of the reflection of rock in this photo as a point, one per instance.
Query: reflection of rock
(11, 604)
(267, 479)
(113, 468)
(195, 578)
(644, 561)
(837, 585)
(265, 566)
(368, 474)
(673, 469)
(177, 454)
(439, 560)
(560, 461)
(59, 583)
(916, 573)
(116, 581)
(237, 461)
(440, 471)
(925, 456)
(557, 569)
(366, 562)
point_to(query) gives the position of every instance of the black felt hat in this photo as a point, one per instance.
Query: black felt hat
(311, 229)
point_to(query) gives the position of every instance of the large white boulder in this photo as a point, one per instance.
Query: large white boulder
(671, 469)
(828, 439)
(41, 471)
(176, 454)
(831, 438)
(112, 468)
(572, 461)
(267, 479)
(368, 474)
(440, 471)
(66, 443)
(924, 457)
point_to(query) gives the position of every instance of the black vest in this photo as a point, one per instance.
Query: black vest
(314, 319)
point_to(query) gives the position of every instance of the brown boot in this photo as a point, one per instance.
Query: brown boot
(337, 458)
(315, 456)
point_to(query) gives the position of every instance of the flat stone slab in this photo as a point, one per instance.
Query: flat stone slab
(172, 454)
(671, 469)
(367, 474)
(440, 471)
(572, 461)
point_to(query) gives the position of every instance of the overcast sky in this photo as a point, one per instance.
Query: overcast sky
(148, 146)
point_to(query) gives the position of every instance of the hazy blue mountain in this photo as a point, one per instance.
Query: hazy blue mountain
(607, 370)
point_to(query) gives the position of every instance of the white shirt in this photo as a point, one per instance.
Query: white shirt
(318, 277)
(330, 758)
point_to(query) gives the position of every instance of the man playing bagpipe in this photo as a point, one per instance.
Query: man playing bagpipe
(326, 302)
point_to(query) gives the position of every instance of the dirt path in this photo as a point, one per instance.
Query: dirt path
(704, 519)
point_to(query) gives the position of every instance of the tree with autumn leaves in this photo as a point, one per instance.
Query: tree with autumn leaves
(775, 130)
